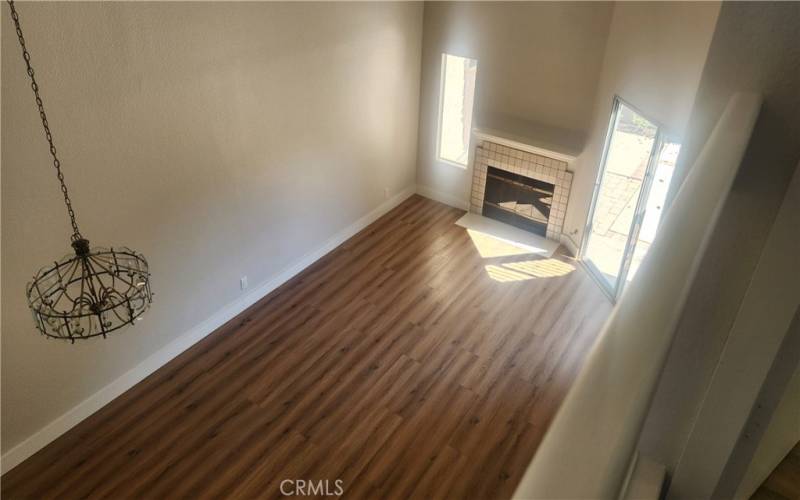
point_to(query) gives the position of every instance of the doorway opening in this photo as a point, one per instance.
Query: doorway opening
(629, 197)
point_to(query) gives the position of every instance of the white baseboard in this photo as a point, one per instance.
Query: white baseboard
(570, 244)
(441, 197)
(65, 422)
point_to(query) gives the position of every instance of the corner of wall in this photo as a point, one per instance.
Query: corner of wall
(442, 197)
(96, 401)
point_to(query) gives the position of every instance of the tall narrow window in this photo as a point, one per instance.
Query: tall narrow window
(455, 108)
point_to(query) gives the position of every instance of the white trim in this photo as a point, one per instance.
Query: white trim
(441, 113)
(65, 422)
(570, 244)
(452, 163)
(439, 107)
(442, 197)
(516, 142)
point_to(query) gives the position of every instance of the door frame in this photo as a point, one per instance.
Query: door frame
(614, 293)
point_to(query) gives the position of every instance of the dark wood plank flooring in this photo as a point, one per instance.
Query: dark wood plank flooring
(784, 482)
(404, 363)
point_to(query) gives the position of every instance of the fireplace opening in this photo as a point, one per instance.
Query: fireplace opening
(518, 200)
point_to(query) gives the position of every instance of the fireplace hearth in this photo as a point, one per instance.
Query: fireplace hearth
(520, 188)
(521, 201)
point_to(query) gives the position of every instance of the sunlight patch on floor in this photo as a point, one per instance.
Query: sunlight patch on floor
(490, 246)
(493, 238)
(528, 270)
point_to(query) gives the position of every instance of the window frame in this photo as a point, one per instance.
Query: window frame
(662, 136)
(440, 113)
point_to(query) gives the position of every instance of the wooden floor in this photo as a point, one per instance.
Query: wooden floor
(784, 482)
(404, 363)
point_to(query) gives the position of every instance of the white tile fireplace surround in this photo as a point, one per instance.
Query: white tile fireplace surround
(535, 166)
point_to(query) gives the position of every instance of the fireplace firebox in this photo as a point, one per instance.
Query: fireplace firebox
(518, 200)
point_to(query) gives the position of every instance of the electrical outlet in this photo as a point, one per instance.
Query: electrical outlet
(243, 282)
(385, 193)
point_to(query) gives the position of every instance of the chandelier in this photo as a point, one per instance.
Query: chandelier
(92, 291)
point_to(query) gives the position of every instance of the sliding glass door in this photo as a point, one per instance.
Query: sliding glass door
(636, 169)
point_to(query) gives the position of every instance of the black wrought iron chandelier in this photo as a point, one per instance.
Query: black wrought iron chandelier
(92, 291)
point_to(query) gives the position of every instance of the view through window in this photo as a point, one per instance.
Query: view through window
(455, 113)
(630, 196)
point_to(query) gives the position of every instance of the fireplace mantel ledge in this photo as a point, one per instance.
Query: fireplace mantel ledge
(523, 144)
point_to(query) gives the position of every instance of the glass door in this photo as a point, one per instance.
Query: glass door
(627, 203)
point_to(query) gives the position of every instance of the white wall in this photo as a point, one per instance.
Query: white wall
(756, 47)
(759, 358)
(589, 449)
(780, 436)
(538, 63)
(219, 139)
(653, 60)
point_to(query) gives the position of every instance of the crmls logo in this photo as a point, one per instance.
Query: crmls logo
(302, 487)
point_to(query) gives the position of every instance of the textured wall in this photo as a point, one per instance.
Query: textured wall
(219, 139)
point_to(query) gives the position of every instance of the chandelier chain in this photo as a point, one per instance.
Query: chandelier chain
(76, 234)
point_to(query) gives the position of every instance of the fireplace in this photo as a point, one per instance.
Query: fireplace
(520, 187)
(521, 201)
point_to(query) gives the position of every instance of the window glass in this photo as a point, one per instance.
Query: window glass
(455, 119)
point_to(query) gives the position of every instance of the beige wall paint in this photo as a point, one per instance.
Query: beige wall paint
(760, 355)
(780, 436)
(538, 63)
(756, 47)
(588, 450)
(653, 60)
(219, 139)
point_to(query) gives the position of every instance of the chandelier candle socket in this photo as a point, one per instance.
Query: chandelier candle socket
(94, 291)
